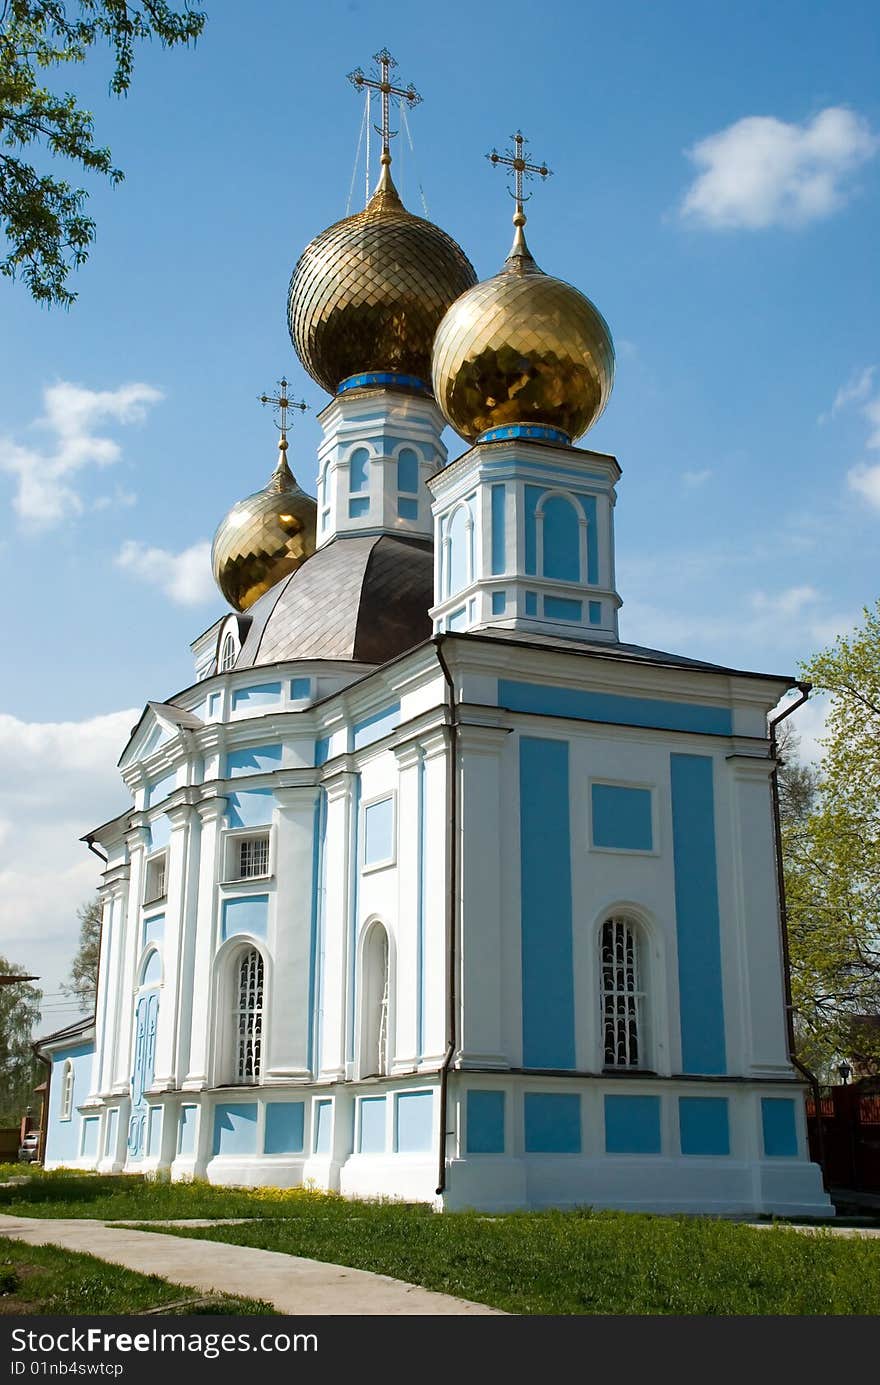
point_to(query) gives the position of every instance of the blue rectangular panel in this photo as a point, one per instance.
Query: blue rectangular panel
(698, 926)
(703, 1125)
(548, 701)
(300, 688)
(235, 1128)
(248, 913)
(322, 749)
(154, 1131)
(260, 759)
(589, 504)
(371, 1125)
(160, 832)
(90, 1127)
(457, 620)
(154, 929)
(160, 789)
(252, 808)
(499, 603)
(285, 1127)
(552, 1123)
(561, 608)
(407, 509)
(531, 603)
(595, 612)
(323, 1126)
(632, 1125)
(112, 1127)
(415, 1122)
(257, 695)
(359, 507)
(545, 875)
(531, 496)
(779, 1127)
(379, 831)
(375, 727)
(621, 817)
(213, 705)
(485, 1122)
(499, 559)
(186, 1130)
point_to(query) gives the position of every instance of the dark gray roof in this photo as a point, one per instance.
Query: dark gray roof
(364, 597)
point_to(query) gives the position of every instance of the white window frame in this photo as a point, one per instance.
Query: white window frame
(228, 642)
(232, 840)
(385, 863)
(68, 1078)
(621, 993)
(152, 866)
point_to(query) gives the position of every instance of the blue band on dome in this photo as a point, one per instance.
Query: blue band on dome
(540, 432)
(392, 378)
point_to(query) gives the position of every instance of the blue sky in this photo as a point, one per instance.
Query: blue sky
(716, 192)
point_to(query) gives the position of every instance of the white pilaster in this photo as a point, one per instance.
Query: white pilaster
(211, 812)
(334, 947)
(180, 815)
(290, 1010)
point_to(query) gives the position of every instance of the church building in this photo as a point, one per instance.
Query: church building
(431, 886)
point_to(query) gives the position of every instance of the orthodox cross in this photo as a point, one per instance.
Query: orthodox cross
(381, 82)
(281, 403)
(515, 159)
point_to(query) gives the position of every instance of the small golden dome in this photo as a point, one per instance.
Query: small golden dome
(264, 538)
(367, 294)
(522, 348)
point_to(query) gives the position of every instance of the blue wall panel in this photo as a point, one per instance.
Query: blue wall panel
(90, 1128)
(285, 1127)
(154, 932)
(256, 695)
(552, 1123)
(545, 700)
(252, 808)
(378, 831)
(248, 913)
(63, 1137)
(260, 759)
(375, 727)
(300, 689)
(561, 608)
(154, 1131)
(499, 553)
(371, 1132)
(703, 1125)
(159, 790)
(235, 1128)
(485, 1122)
(698, 926)
(561, 540)
(779, 1127)
(323, 1126)
(111, 1132)
(415, 1122)
(160, 832)
(632, 1125)
(186, 1130)
(621, 817)
(545, 865)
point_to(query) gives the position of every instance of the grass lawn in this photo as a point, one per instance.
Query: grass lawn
(44, 1279)
(529, 1262)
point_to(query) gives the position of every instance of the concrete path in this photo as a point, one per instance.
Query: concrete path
(294, 1285)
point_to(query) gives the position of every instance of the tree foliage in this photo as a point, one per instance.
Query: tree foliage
(831, 847)
(83, 982)
(19, 1012)
(42, 216)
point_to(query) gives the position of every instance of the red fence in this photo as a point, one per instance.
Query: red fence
(844, 1137)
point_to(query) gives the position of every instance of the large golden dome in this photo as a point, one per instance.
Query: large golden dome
(522, 348)
(264, 538)
(367, 294)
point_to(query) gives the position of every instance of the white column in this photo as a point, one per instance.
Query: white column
(188, 946)
(435, 960)
(114, 893)
(404, 1039)
(334, 941)
(289, 1011)
(211, 812)
(180, 816)
(480, 1035)
(137, 841)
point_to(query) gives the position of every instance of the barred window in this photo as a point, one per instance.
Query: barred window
(623, 996)
(227, 657)
(67, 1091)
(253, 857)
(155, 883)
(249, 1017)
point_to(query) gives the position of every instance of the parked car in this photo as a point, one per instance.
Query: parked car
(29, 1149)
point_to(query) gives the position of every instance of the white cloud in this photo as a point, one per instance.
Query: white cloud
(691, 480)
(790, 602)
(59, 780)
(855, 391)
(185, 577)
(47, 478)
(865, 480)
(762, 172)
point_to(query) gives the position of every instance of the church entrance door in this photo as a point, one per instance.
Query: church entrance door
(146, 1015)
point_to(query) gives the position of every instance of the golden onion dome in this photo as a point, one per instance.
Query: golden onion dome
(367, 294)
(264, 538)
(523, 349)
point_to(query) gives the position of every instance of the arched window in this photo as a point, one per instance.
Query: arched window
(458, 551)
(67, 1090)
(623, 995)
(374, 1004)
(248, 1016)
(227, 657)
(561, 535)
(358, 471)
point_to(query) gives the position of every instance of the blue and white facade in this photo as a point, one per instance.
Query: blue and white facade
(493, 924)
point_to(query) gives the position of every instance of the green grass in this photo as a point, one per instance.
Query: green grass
(530, 1262)
(44, 1279)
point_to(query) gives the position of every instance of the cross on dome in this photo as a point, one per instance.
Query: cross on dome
(515, 160)
(381, 81)
(281, 403)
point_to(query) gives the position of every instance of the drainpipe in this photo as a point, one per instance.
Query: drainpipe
(451, 908)
(805, 690)
(90, 843)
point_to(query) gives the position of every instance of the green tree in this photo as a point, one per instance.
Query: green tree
(19, 1012)
(831, 847)
(83, 982)
(42, 216)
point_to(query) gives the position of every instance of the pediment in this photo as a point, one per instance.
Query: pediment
(159, 722)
